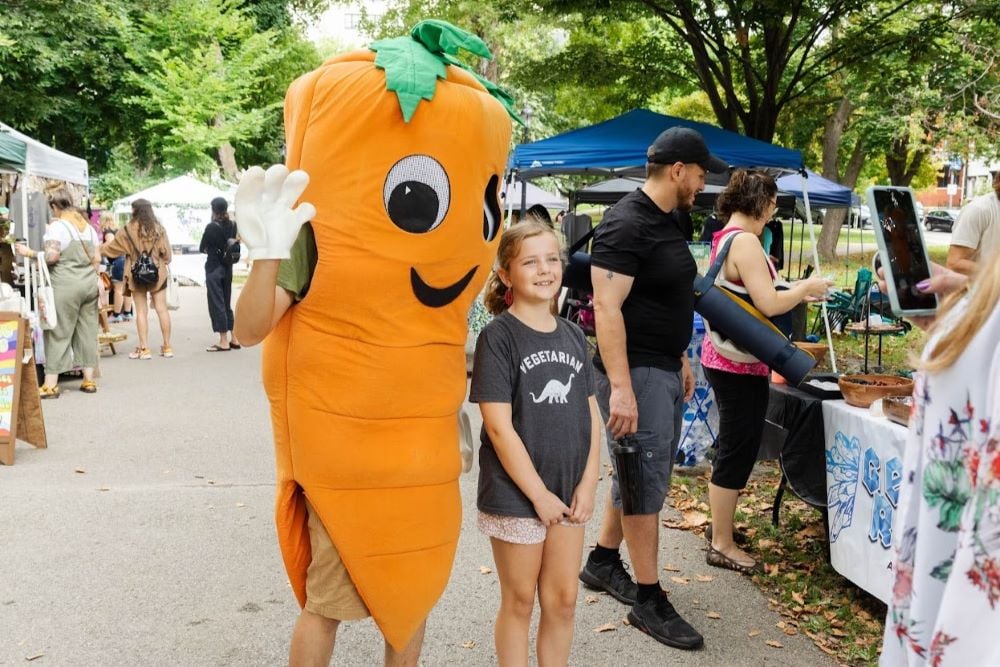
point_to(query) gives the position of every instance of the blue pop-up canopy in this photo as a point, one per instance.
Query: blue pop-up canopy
(822, 191)
(618, 146)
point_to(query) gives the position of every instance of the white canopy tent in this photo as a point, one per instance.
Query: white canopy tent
(47, 162)
(39, 162)
(533, 195)
(182, 205)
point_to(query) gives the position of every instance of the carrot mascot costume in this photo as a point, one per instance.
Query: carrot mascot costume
(404, 150)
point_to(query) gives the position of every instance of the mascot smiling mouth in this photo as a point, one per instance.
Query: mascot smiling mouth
(436, 297)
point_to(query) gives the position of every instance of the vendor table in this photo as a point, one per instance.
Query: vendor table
(793, 433)
(864, 467)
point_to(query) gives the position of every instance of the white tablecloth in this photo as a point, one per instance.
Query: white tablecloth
(864, 465)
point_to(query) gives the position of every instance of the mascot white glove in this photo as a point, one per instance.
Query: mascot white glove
(266, 221)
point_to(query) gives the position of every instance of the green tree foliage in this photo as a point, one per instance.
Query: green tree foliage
(197, 65)
(61, 68)
(153, 88)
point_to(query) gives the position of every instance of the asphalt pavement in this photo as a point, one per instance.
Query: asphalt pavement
(144, 535)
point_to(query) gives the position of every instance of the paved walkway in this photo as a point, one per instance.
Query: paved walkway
(144, 535)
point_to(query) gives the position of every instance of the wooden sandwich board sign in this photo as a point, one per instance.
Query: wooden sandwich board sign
(20, 404)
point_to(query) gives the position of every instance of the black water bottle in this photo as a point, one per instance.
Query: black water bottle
(628, 466)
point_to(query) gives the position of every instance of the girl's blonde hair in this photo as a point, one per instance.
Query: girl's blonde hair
(108, 221)
(983, 299)
(510, 246)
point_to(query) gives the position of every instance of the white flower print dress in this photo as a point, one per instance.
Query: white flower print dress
(945, 606)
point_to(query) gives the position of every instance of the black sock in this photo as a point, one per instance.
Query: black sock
(646, 591)
(604, 554)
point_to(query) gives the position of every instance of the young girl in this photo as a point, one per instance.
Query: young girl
(538, 462)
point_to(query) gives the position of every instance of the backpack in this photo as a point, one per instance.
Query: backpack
(145, 272)
(230, 252)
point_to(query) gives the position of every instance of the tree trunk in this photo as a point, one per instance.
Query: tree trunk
(833, 133)
(227, 158)
(227, 154)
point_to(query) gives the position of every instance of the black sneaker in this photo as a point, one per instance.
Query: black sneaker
(658, 619)
(610, 577)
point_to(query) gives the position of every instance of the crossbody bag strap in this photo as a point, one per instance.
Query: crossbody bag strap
(582, 241)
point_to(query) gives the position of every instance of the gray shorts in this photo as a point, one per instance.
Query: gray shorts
(659, 395)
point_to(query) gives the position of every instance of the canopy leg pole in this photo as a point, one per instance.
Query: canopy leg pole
(815, 252)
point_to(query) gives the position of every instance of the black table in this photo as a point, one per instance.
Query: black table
(794, 426)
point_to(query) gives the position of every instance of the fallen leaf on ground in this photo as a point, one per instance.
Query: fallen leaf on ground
(798, 598)
(590, 599)
(484, 570)
(79, 471)
(704, 578)
(753, 633)
(104, 488)
(607, 627)
(765, 544)
(790, 631)
(771, 568)
(713, 614)
(469, 644)
(35, 656)
(669, 567)
(680, 580)
(774, 644)
(693, 519)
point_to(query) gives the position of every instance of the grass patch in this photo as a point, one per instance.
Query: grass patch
(813, 599)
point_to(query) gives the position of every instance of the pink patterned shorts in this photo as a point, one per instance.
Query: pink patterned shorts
(516, 529)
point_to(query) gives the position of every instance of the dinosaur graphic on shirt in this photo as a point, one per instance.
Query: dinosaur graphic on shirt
(554, 391)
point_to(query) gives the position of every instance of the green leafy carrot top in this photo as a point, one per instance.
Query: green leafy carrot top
(413, 64)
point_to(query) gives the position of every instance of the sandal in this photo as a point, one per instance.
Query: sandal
(166, 351)
(140, 353)
(46, 391)
(235, 346)
(216, 348)
(738, 537)
(716, 558)
(88, 387)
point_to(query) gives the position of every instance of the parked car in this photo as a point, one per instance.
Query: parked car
(939, 219)
(859, 217)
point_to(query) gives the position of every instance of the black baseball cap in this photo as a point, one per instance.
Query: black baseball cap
(682, 144)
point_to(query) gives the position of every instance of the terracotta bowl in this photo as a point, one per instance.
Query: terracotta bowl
(862, 390)
(816, 350)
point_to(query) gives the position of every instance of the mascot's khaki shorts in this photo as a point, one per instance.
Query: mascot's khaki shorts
(330, 593)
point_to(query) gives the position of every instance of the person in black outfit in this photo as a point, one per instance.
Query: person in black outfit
(219, 275)
(643, 273)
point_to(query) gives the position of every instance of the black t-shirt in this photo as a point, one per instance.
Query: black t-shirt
(213, 242)
(638, 239)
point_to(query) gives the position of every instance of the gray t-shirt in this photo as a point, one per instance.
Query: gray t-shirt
(548, 379)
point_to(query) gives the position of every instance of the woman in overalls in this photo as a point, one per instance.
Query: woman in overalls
(72, 253)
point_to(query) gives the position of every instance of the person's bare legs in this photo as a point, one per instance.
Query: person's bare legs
(118, 300)
(163, 315)
(409, 656)
(141, 302)
(557, 588)
(723, 504)
(518, 567)
(312, 640)
(642, 535)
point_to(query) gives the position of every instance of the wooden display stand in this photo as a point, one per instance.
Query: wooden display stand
(20, 404)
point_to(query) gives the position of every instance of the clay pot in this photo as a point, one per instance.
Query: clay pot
(862, 390)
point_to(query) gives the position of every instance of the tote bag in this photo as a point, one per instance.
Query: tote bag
(45, 297)
(173, 291)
